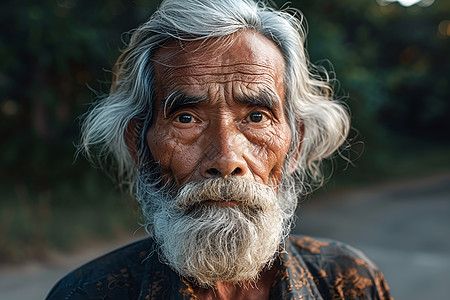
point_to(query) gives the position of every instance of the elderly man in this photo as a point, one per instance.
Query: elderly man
(217, 124)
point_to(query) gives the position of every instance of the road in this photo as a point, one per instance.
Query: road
(403, 227)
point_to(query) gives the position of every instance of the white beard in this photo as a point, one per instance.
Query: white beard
(210, 243)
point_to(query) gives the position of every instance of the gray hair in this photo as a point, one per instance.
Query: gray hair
(319, 123)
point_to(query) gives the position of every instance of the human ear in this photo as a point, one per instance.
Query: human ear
(131, 138)
(295, 156)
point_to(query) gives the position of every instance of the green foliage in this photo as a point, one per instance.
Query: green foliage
(53, 54)
(392, 61)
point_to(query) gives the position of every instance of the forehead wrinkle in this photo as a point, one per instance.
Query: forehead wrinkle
(171, 57)
(177, 80)
(248, 71)
(196, 76)
(181, 82)
(204, 70)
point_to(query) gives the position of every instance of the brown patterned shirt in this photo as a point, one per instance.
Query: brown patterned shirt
(308, 269)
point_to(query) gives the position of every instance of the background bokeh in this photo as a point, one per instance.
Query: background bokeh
(390, 61)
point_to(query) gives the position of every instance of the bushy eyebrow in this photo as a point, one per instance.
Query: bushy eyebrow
(177, 100)
(265, 98)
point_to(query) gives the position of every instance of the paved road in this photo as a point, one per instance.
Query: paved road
(404, 228)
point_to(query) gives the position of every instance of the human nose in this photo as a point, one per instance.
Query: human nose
(224, 155)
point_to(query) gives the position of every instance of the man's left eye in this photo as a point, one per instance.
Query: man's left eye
(185, 118)
(255, 117)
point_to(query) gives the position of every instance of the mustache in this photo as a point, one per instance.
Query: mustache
(244, 192)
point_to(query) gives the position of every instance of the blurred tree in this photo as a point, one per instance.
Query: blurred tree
(52, 53)
(391, 60)
(393, 63)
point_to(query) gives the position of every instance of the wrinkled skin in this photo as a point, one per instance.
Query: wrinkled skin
(220, 136)
(224, 134)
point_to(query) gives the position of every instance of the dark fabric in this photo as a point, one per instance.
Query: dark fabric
(308, 269)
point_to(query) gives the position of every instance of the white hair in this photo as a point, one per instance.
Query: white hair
(209, 243)
(319, 123)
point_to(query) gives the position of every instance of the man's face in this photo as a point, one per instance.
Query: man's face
(220, 134)
(219, 112)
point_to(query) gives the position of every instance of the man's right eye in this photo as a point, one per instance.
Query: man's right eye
(185, 118)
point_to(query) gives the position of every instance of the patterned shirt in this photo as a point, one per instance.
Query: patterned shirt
(307, 269)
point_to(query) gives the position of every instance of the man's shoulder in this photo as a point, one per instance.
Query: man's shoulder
(339, 268)
(119, 271)
(320, 248)
(329, 254)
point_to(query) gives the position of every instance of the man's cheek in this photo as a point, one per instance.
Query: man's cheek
(184, 161)
(162, 150)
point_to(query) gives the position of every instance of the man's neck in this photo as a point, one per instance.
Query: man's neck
(248, 290)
